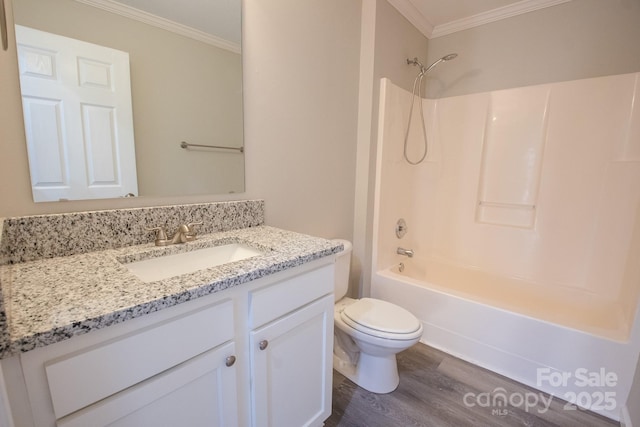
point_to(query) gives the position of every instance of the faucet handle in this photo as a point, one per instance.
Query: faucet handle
(161, 236)
(191, 224)
(190, 235)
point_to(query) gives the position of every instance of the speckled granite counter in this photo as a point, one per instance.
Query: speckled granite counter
(30, 238)
(50, 300)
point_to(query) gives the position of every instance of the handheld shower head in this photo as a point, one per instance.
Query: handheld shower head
(417, 89)
(425, 70)
(448, 57)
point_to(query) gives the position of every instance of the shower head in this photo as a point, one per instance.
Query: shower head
(425, 70)
(448, 57)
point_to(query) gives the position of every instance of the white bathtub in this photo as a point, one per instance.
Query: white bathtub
(473, 319)
(525, 223)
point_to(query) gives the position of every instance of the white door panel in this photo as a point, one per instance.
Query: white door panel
(45, 139)
(84, 147)
(100, 144)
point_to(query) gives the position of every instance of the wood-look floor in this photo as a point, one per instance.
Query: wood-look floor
(431, 393)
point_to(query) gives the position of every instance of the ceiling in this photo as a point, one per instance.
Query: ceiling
(436, 18)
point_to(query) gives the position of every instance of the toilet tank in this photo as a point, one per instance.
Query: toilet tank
(343, 264)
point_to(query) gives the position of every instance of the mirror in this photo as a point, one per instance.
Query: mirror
(185, 68)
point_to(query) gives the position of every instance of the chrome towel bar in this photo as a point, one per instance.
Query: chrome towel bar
(186, 145)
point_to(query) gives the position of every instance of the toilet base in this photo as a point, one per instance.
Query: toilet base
(368, 360)
(373, 373)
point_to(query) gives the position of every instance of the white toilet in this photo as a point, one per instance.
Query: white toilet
(368, 334)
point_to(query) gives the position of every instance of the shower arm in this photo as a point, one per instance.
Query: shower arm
(430, 67)
(417, 63)
(425, 70)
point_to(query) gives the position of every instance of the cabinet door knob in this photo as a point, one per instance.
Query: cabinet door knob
(229, 361)
(263, 344)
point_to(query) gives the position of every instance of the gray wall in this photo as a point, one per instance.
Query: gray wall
(570, 41)
(396, 41)
(301, 111)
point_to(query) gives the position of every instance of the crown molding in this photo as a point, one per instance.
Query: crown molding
(413, 15)
(504, 12)
(165, 24)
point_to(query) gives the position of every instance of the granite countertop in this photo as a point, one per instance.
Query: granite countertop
(50, 300)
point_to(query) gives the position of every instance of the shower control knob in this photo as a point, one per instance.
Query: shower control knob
(401, 228)
(263, 344)
(230, 361)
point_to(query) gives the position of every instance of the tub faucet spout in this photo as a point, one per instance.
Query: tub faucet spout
(406, 252)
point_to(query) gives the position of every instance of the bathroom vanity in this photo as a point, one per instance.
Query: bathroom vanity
(246, 342)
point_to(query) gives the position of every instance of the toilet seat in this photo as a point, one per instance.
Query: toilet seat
(381, 319)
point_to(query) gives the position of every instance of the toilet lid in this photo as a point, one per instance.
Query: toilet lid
(370, 315)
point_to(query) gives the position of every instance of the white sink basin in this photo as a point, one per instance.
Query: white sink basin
(163, 267)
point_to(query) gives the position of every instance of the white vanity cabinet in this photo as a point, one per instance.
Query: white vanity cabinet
(199, 363)
(198, 392)
(292, 352)
(160, 368)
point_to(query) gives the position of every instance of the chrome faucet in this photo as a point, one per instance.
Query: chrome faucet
(406, 252)
(185, 233)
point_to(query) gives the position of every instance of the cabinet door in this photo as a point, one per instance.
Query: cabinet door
(291, 362)
(199, 392)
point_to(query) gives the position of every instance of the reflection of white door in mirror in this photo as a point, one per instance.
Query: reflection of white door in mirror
(78, 118)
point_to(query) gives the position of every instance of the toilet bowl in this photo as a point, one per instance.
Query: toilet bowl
(368, 333)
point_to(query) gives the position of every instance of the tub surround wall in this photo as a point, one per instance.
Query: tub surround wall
(540, 185)
(387, 40)
(46, 236)
(526, 215)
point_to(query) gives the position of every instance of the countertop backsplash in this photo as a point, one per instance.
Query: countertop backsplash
(31, 238)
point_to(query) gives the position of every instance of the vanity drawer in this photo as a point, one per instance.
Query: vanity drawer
(79, 379)
(271, 302)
